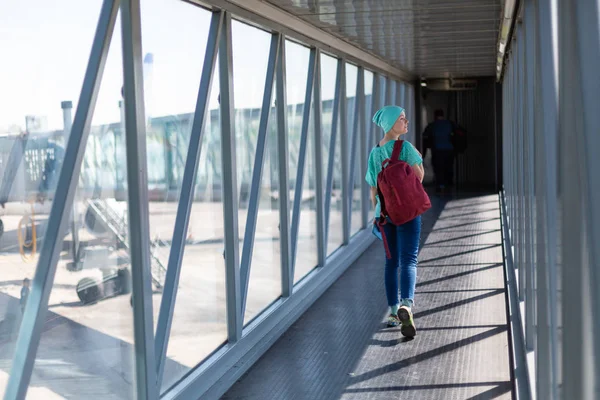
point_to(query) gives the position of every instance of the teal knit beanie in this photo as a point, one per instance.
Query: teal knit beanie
(387, 117)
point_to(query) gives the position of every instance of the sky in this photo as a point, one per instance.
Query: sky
(46, 46)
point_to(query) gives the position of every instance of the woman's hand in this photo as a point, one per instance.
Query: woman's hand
(373, 196)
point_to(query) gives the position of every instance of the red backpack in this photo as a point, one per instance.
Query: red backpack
(401, 193)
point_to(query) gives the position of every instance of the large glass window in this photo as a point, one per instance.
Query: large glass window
(353, 135)
(250, 63)
(87, 333)
(328, 81)
(297, 63)
(173, 61)
(199, 318)
(89, 308)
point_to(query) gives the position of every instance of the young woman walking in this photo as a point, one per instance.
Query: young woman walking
(403, 240)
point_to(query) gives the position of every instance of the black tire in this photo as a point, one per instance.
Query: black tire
(89, 290)
(125, 280)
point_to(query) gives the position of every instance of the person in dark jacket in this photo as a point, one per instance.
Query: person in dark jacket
(438, 137)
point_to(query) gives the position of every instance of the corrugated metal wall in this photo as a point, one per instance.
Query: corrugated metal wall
(476, 111)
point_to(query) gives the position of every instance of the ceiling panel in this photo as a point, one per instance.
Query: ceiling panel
(430, 38)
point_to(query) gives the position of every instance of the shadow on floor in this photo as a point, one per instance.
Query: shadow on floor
(341, 348)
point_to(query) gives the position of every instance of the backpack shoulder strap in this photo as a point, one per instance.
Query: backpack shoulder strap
(397, 150)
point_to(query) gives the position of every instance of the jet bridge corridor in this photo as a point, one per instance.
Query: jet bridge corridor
(185, 214)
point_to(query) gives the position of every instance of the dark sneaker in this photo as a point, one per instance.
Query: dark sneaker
(405, 316)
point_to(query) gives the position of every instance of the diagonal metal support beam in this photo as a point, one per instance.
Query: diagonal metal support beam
(332, 144)
(37, 305)
(345, 157)
(261, 144)
(318, 143)
(167, 305)
(302, 156)
(370, 141)
(356, 132)
(287, 276)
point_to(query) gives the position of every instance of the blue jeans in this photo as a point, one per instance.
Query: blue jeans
(403, 242)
